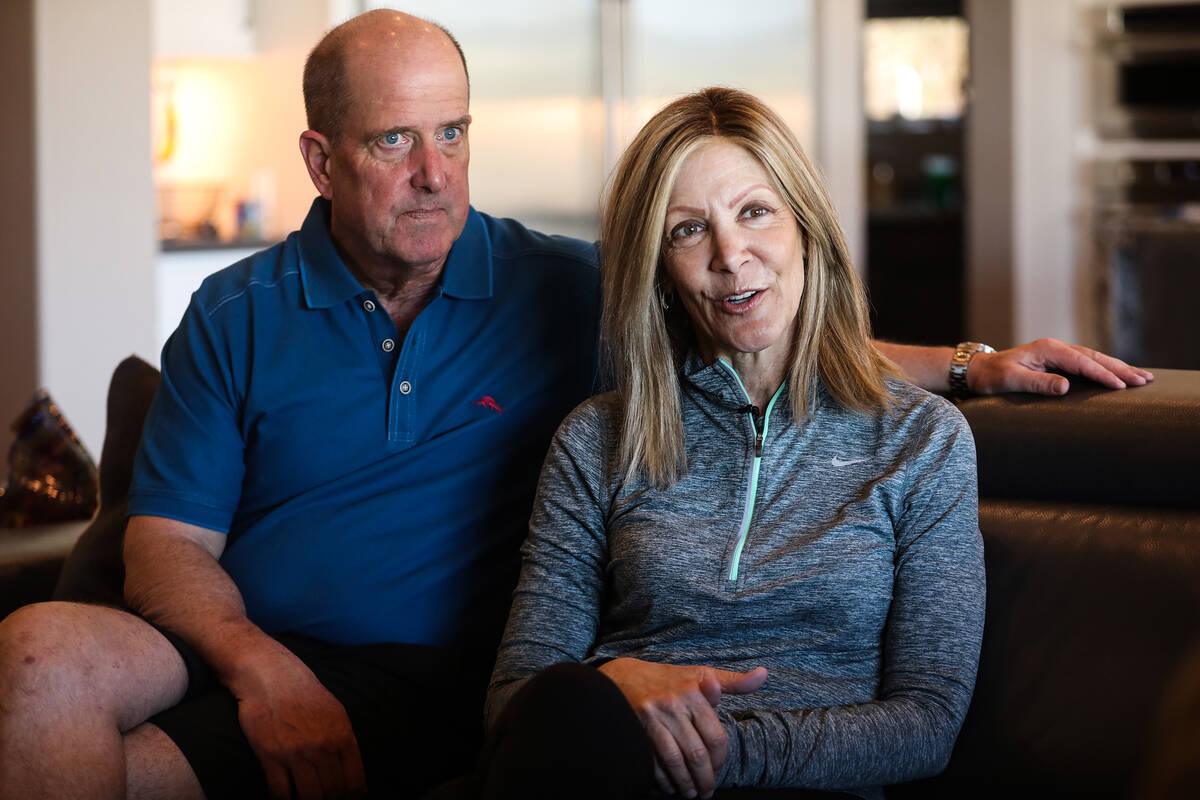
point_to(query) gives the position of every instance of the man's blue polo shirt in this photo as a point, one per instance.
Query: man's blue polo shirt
(371, 490)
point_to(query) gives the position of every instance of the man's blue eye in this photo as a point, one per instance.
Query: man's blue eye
(450, 134)
(392, 139)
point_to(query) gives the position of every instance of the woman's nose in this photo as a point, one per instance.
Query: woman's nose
(729, 249)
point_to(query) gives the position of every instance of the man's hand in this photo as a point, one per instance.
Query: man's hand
(298, 730)
(1023, 369)
(675, 705)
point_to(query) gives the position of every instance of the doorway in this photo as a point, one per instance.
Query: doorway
(915, 77)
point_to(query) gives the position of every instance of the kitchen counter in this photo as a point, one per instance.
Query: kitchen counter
(194, 245)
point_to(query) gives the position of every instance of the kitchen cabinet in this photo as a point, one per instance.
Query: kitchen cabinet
(214, 28)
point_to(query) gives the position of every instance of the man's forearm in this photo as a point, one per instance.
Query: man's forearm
(173, 579)
(927, 367)
(298, 730)
(1030, 367)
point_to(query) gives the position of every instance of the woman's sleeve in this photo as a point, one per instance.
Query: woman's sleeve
(930, 648)
(556, 605)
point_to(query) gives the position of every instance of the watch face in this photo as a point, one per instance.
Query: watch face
(963, 353)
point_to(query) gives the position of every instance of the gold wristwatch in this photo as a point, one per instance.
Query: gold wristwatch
(963, 353)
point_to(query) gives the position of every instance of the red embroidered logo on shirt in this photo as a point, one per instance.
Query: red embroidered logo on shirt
(487, 401)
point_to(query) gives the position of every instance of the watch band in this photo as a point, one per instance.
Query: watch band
(963, 353)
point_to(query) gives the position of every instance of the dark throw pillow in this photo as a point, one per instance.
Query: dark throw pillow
(94, 571)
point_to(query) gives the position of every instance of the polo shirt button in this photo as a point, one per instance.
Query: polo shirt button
(388, 345)
(368, 305)
(405, 387)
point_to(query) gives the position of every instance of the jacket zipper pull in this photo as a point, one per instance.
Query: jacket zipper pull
(752, 410)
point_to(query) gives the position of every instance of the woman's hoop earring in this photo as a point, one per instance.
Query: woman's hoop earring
(664, 300)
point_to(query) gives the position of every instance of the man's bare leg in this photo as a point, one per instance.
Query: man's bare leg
(155, 769)
(73, 679)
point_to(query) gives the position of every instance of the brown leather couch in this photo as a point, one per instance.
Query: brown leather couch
(1090, 512)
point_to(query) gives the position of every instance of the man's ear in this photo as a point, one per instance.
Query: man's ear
(316, 150)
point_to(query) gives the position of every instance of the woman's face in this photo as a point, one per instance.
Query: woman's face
(734, 254)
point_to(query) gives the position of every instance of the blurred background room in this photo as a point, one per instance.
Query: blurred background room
(1004, 169)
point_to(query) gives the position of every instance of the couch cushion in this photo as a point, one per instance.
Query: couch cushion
(1091, 612)
(94, 571)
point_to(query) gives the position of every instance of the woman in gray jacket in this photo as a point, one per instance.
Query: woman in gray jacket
(763, 547)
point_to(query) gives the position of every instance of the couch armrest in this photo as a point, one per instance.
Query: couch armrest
(1137, 446)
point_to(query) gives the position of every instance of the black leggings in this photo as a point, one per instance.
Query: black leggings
(570, 734)
(567, 733)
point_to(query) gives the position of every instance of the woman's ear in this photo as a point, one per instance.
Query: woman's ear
(662, 278)
(664, 287)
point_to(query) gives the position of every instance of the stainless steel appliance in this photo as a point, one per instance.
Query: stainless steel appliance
(1146, 71)
(1147, 234)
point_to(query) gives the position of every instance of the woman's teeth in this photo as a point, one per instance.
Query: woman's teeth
(738, 299)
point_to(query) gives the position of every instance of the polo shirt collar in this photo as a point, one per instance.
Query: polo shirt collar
(328, 282)
(468, 273)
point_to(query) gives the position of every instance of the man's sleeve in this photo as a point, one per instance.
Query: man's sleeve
(190, 463)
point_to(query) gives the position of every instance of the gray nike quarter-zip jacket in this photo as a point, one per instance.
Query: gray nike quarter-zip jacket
(842, 552)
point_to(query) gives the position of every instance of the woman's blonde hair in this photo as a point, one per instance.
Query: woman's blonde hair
(646, 343)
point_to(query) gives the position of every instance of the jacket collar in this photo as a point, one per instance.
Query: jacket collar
(720, 384)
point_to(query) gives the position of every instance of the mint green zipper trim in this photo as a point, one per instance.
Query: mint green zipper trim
(752, 489)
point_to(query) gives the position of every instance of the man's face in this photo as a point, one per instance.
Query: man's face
(398, 172)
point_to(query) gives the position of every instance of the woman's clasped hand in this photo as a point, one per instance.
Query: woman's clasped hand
(676, 705)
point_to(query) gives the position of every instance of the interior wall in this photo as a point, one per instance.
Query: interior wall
(989, 186)
(18, 284)
(95, 212)
(1046, 41)
(1025, 209)
(841, 121)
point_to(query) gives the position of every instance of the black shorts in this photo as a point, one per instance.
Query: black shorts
(416, 710)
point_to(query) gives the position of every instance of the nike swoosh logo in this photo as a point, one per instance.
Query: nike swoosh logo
(838, 462)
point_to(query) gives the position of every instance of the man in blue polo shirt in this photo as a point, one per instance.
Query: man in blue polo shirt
(297, 418)
(342, 453)
(336, 472)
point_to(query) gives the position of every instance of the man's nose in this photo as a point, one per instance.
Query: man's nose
(429, 172)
